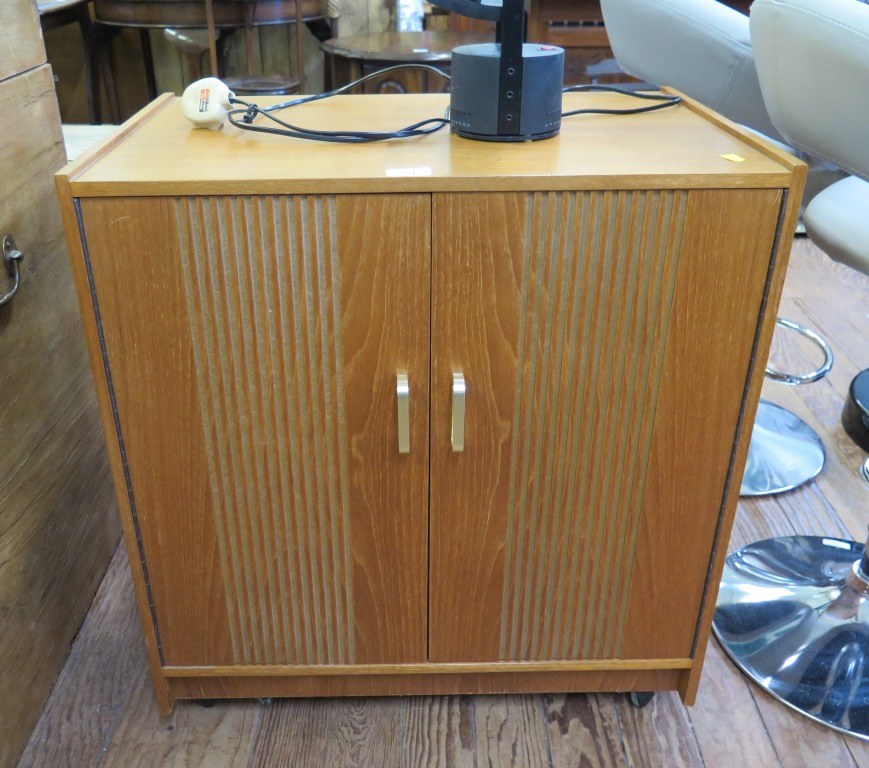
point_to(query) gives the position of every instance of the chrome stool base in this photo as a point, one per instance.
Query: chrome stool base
(792, 613)
(784, 452)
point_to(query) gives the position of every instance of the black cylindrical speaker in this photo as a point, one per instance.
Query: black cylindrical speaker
(474, 98)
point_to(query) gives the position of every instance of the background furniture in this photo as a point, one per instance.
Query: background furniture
(349, 58)
(529, 557)
(792, 611)
(98, 64)
(191, 14)
(58, 525)
(578, 27)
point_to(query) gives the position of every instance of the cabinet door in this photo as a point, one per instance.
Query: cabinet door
(251, 349)
(605, 339)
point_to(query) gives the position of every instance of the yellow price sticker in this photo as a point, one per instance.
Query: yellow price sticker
(734, 158)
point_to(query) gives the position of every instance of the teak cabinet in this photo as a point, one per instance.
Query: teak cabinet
(313, 502)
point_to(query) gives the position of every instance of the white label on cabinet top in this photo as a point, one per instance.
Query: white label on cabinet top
(421, 171)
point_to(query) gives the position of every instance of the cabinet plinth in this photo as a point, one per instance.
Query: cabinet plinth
(275, 341)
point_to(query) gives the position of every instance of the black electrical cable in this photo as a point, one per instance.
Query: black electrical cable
(663, 101)
(249, 113)
(363, 79)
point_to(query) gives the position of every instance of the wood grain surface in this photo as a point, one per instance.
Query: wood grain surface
(583, 730)
(428, 668)
(58, 524)
(143, 737)
(415, 684)
(595, 331)
(659, 734)
(439, 732)
(140, 327)
(315, 554)
(21, 46)
(107, 660)
(732, 723)
(704, 387)
(509, 732)
(676, 148)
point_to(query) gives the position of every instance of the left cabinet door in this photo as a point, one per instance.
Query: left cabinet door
(251, 347)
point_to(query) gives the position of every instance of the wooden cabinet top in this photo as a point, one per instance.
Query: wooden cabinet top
(157, 152)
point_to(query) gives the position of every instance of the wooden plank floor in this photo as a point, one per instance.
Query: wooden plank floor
(102, 711)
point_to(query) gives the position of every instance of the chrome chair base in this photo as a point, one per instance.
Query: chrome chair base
(792, 613)
(784, 452)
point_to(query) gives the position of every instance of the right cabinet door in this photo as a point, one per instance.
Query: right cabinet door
(605, 339)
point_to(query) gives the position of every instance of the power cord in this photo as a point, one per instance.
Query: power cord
(243, 118)
(663, 101)
(249, 112)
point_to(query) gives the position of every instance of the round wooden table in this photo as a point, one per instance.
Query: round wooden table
(191, 14)
(349, 58)
(58, 13)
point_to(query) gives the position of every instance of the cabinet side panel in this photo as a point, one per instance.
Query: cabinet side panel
(559, 318)
(133, 252)
(717, 307)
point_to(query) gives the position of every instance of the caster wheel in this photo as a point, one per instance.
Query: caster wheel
(640, 699)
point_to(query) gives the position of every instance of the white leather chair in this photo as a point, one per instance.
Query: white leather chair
(703, 48)
(815, 86)
(793, 611)
(700, 47)
(814, 60)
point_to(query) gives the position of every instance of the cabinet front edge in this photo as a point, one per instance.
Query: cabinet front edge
(446, 668)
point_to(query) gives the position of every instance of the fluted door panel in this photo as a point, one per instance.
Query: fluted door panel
(294, 316)
(561, 314)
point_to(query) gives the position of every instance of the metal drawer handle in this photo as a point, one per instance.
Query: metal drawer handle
(402, 396)
(457, 436)
(11, 257)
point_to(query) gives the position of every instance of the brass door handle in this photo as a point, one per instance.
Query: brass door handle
(457, 435)
(11, 257)
(402, 397)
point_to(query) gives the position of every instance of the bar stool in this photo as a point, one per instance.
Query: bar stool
(793, 612)
(785, 452)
